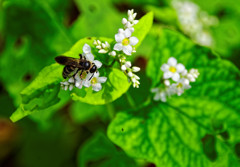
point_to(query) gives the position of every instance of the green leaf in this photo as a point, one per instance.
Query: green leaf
(172, 134)
(41, 93)
(106, 155)
(98, 18)
(117, 84)
(142, 28)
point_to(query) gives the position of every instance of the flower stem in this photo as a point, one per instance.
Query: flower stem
(130, 100)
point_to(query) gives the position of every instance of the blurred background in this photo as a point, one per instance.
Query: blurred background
(33, 32)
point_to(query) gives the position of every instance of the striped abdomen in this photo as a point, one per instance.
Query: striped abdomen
(67, 71)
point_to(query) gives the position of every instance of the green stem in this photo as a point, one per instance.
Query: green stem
(130, 100)
(110, 110)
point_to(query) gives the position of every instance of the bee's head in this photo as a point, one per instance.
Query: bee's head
(86, 65)
(93, 69)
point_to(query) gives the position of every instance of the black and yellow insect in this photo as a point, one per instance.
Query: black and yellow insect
(74, 65)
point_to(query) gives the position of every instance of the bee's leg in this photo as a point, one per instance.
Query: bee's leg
(91, 77)
(80, 55)
(81, 74)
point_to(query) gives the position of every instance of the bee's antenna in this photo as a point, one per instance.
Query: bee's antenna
(80, 55)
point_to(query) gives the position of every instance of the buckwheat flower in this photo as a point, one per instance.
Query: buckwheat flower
(159, 94)
(95, 82)
(125, 41)
(89, 56)
(204, 38)
(112, 53)
(180, 86)
(135, 69)
(103, 47)
(172, 69)
(135, 79)
(87, 52)
(193, 75)
(125, 66)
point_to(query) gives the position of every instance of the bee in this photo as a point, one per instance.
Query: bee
(74, 65)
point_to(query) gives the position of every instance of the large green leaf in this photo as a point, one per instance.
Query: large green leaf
(182, 132)
(106, 155)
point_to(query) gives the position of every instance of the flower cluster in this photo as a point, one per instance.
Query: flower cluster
(194, 22)
(176, 78)
(123, 47)
(84, 78)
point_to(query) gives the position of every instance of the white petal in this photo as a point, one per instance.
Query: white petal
(135, 69)
(180, 68)
(102, 79)
(98, 47)
(86, 48)
(97, 63)
(167, 82)
(123, 67)
(127, 49)
(87, 84)
(167, 75)
(118, 46)
(66, 88)
(131, 29)
(70, 87)
(119, 37)
(133, 41)
(121, 31)
(127, 33)
(172, 61)
(102, 51)
(124, 20)
(89, 56)
(71, 80)
(175, 77)
(135, 22)
(96, 87)
(65, 83)
(130, 74)
(164, 67)
(96, 74)
(128, 64)
(154, 90)
(156, 97)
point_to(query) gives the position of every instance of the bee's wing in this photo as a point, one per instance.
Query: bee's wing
(67, 61)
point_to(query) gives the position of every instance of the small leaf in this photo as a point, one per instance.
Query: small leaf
(116, 85)
(142, 28)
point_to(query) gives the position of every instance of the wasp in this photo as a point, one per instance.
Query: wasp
(74, 65)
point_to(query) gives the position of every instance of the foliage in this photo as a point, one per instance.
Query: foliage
(118, 125)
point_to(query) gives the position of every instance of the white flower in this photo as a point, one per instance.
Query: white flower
(112, 53)
(192, 75)
(172, 69)
(89, 56)
(125, 41)
(180, 86)
(204, 38)
(95, 82)
(159, 94)
(135, 79)
(125, 66)
(87, 52)
(135, 69)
